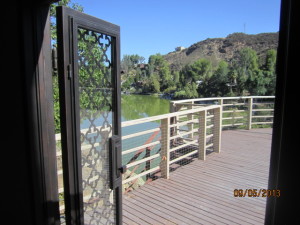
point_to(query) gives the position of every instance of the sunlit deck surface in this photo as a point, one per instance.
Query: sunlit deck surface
(202, 191)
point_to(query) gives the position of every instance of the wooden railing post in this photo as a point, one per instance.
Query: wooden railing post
(172, 107)
(217, 129)
(165, 147)
(250, 106)
(148, 162)
(190, 117)
(202, 135)
(221, 101)
(173, 120)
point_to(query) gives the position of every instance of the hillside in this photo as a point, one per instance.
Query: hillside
(216, 49)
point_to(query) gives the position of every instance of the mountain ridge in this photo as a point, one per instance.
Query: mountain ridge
(217, 49)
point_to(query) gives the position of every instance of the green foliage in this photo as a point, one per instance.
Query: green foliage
(217, 84)
(188, 91)
(56, 104)
(199, 71)
(134, 74)
(67, 3)
(269, 70)
(246, 68)
(162, 68)
(94, 76)
(155, 85)
(176, 77)
(75, 6)
(154, 77)
(243, 76)
(130, 62)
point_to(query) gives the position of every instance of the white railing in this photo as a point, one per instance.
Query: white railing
(175, 141)
(191, 129)
(245, 111)
(169, 144)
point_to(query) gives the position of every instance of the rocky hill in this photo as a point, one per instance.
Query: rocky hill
(216, 49)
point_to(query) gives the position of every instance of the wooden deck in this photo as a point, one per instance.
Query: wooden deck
(202, 192)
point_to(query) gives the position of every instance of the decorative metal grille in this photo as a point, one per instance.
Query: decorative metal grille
(95, 100)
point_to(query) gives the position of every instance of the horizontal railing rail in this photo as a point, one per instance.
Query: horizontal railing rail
(189, 132)
(180, 138)
(237, 112)
(173, 140)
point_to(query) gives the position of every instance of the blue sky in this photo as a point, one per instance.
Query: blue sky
(158, 26)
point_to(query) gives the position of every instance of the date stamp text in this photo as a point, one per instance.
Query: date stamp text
(265, 193)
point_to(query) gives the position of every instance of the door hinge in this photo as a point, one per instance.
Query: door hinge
(54, 60)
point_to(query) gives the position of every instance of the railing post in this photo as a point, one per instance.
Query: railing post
(202, 135)
(190, 117)
(165, 147)
(221, 101)
(172, 107)
(173, 120)
(217, 129)
(148, 163)
(250, 106)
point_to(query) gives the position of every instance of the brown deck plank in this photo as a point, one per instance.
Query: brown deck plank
(235, 175)
(220, 194)
(167, 207)
(155, 210)
(202, 191)
(198, 205)
(214, 197)
(142, 215)
(178, 207)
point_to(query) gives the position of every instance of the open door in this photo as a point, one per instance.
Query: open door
(89, 58)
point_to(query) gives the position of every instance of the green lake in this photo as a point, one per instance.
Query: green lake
(140, 106)
(136, 107)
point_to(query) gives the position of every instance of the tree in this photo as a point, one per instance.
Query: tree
(176, 77)
(126, 63)
(256, 84)
(247, 69)
(56, 107)
(160, 66)
(269, 70)
(130, 62)
(188, 91)
(155, 83)
(196, 76)
(199, 71)
(53, 6)
(94, 71)
(219, 83)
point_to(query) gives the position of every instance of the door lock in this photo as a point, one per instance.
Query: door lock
(123, 169)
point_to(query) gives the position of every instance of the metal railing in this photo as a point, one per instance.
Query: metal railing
(155, 146)
(238, 112)
(170, 143)
(178, 139)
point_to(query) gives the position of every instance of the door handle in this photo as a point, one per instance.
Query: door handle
(115, 148)
(123, 169)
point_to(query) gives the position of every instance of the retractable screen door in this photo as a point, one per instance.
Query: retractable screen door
(88, 57)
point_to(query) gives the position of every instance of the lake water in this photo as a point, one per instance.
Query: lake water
(136, 107)
(140, 106)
